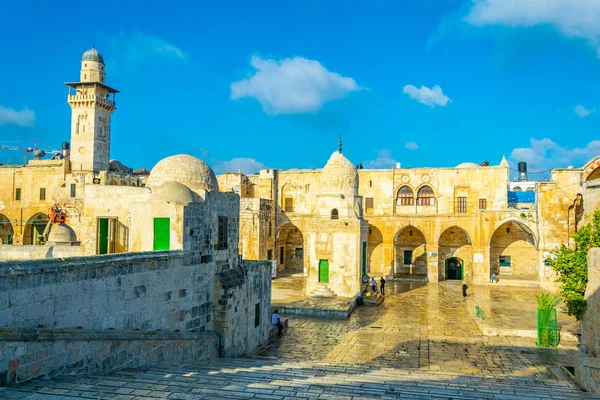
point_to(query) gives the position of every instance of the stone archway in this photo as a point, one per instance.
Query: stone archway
(34, 228)
(6, 230)
(410, 251)
(375, 252)
(290, 248)
(454, 248)
(513, 250)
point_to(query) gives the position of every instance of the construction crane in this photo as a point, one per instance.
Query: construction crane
(37, 153)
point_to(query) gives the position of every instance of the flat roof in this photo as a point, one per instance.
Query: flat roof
(75, 84)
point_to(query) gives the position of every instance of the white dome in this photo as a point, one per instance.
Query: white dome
(467, 165)
(173, 192)
(61, 234)
(339, 175)
(185, 169)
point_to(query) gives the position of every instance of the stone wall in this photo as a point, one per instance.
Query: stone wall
(120, 293)
(32, 252)
(587, 362)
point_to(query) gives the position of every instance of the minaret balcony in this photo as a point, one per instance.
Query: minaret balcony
(90, 97)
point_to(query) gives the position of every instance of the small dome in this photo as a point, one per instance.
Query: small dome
(92, 55)
(61, 234)
(467, 165)
(185, 169)
(173, 192)
(339, 175)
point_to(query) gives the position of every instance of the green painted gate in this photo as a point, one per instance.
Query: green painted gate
(324, 271)
(162, 233)
(364, 258)
(103, 236)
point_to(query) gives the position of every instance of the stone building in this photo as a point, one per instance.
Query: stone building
(433, 224)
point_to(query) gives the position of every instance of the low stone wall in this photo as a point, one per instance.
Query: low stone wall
(587, 362)
(31, 252)
(109, 297)
(30, 353)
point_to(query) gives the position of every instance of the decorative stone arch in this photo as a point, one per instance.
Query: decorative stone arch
(113, 182)
(421, 187)
(410, 251)
(6, 230)
(591, 170)
(34, 228)
(513, 249)
(375, 252)
(335, 214)
(290, 247)
(455, 244)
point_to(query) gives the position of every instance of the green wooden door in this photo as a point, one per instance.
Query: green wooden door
(364, 258)
(454, 269)
(103, 236)
(324, 271)
(162, 233)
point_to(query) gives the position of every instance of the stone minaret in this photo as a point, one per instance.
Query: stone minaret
(92, 103)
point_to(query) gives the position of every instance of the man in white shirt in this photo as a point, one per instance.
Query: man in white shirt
(276, 321)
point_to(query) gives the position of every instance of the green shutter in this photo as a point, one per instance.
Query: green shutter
(162, 233)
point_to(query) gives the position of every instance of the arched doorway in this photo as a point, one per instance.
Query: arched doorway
(411, 257)
(34, 228)
(455, 250)
(290, 247)
(6, 230)
(375, 252)
(513, 250)
(454, 268)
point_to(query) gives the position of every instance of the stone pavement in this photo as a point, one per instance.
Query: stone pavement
(423, 326)
(511, 311)
(289, 380)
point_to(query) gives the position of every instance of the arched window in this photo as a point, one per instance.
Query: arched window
(335, 214)
(425, 196)
(517, 189)
(530, 189)
(406, 197)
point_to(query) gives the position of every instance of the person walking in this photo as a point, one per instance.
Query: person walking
(276, 321)
(374, 284)
(464, 288)
(382, 286)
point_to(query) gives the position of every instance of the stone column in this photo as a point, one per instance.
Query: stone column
(433, 271)
(481, 264)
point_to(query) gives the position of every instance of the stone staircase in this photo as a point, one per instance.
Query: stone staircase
(277, 379)
(323, 291)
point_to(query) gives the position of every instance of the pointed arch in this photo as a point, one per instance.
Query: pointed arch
(405, 196)
(455, 252)
(290, 247)
(6, 230)
(410, 250)
(425, 196)
(34, 228)
(375, 252)
(513, 249)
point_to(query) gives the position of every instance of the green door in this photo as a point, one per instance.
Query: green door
(103, 236)
(324, 271)
(454, 269)
(162, 233)
(364, 258)
(38, 231)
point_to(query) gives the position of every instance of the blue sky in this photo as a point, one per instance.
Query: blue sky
(245, 85)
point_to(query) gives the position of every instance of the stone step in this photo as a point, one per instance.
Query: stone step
(278, 379)
(323, 291)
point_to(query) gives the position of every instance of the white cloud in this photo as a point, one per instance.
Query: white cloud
(246, 165)
(583, 112)
(411, 145)
(545, 154)
(573, 18)
(384, 160)
(138, 47)
(431, 97)
(9, 116)
(292, 85)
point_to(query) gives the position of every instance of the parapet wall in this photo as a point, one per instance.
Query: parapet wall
(587, 362)
(32, 252)
(120, 301)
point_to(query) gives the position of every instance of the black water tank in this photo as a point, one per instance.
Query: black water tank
(522, 166)
(65, 145)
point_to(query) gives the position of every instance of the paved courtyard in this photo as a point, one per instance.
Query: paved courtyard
(419, 325)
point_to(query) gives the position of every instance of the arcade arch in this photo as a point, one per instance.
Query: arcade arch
(513, 250)
(375, 252)
(410, 252)
(34, 228)
(455, 253)
(6, 230)
(290, 248)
